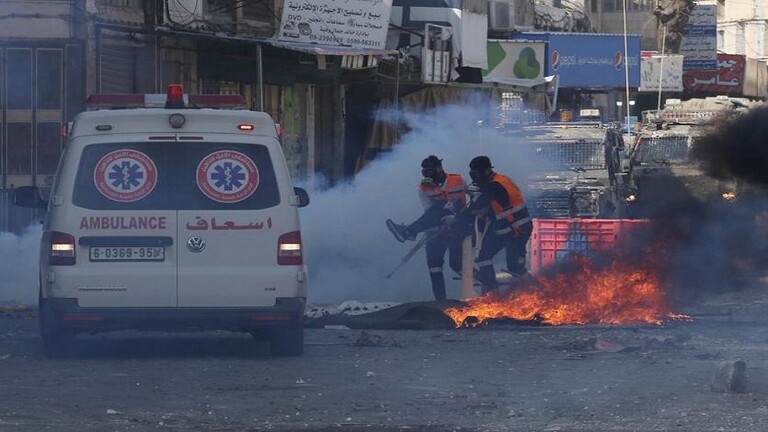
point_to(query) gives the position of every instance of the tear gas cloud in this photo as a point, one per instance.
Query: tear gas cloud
(348, 247)
(19, 266)
(349, 251)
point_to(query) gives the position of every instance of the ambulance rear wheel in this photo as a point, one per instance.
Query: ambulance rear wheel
(57, 342)
(288, 341)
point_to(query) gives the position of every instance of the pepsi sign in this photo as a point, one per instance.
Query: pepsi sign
(587, 60)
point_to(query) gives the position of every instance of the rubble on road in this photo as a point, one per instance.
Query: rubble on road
(403, 316)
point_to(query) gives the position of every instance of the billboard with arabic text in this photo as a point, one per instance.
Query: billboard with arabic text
(661, 73)
(699, 44)
(727, 79)
(590, 60)
(348, 23)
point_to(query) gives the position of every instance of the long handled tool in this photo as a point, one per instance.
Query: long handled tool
(419, 244)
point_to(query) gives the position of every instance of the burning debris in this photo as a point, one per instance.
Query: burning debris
(619, 292)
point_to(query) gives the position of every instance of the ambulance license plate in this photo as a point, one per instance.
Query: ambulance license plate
(126, 253)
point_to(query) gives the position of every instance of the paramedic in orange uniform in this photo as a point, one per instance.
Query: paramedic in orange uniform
(509, 224)
(443, 195)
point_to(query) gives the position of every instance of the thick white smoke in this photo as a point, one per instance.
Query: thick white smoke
(349, 249)
(19, 266)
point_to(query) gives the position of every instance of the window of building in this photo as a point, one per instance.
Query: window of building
(721, 40)
(618, 5)
(131, 4)
(611, 5)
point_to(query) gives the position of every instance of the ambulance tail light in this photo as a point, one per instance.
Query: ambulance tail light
(61, 248)
(175, 96)
(289, 249)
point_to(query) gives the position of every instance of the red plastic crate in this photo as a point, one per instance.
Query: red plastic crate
(555, 239)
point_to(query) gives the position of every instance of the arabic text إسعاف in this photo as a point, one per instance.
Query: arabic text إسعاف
(202, 224)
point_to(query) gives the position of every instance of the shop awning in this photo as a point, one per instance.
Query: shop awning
(512, 82)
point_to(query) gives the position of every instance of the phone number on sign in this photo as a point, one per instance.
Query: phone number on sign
(350, 41)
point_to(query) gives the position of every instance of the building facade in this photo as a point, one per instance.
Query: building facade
(55, 53)
(42, 69)
(742, 28)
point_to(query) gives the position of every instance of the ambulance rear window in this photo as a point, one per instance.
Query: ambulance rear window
(176, 176)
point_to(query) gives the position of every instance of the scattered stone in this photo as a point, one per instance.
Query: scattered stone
(710, 356)
(730, 377)
(373, 340)
(608, 346)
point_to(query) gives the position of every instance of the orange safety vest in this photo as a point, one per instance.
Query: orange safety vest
(453, 189)
(517, 212)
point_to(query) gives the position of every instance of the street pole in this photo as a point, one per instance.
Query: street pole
(467, 269)
(260, 73)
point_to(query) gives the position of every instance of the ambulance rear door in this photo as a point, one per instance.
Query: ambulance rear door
(231, 221)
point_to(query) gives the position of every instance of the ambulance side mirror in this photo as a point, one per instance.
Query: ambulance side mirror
(302, 197)
(28, 196)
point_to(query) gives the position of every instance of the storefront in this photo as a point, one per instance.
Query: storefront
(592, 70)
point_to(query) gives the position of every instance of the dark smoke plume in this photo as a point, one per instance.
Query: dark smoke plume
(737, 147)
(728, 246)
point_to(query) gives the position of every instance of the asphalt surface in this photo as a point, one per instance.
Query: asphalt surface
(500, 378)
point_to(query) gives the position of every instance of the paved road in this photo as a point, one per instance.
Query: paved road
(499, 379)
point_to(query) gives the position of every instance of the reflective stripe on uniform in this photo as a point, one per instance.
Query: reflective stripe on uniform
(503, 231)
(485, 263)
(435, 269)
(510, 211)
(520, 222)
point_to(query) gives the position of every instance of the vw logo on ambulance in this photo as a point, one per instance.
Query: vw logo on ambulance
(195, 244)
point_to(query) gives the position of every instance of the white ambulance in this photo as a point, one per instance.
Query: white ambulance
(178, 218)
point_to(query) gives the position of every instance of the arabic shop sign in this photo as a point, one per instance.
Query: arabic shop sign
(699, 44)
(727, 79)
(666, 70)
(347, 23)
(515, 60)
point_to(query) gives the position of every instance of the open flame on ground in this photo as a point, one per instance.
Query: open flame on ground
(619, 292)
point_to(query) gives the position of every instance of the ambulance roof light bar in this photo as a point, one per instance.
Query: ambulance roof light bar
(158, 100)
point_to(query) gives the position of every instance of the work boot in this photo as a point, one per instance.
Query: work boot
(400, 231)
(513, 278)
(438, 285)
(487, 278)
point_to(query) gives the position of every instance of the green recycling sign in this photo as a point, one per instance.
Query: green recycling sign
(518, 60)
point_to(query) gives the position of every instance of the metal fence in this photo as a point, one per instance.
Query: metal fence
(550, 203)
(584, 154)
(664, 149)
